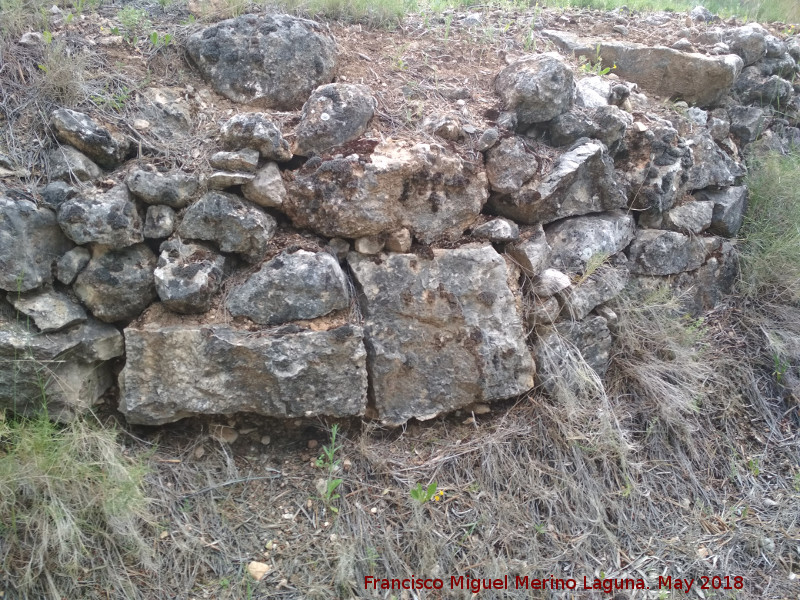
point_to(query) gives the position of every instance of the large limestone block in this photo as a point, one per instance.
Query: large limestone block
(575, 241)
(274, 61)
(103, 144)
(172, 372)
(694, 78)
(108, 218)
(423, 187)
(441, 332)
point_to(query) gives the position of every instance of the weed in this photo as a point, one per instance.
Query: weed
(62, 74)
(596, 67)
(780, 365)
(134, 23)
(328, 461)
(160, 41)
(425, 494)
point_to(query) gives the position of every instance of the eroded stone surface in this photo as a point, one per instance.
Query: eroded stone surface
(175, 189)
(49, 310)
(188, 276)
(575, 241)
(108, 218)
(278, 374)
(440, 333)
(104, 145)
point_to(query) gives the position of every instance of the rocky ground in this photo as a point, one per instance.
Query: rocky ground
(420, 221)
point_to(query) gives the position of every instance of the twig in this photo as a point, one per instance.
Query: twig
(232, 482)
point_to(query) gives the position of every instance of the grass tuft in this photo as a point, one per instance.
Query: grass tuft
(72, 508)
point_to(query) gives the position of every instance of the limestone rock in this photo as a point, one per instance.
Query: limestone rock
(581, 181)
(730, 205)
(748, 42)
(509, 165)
(398, 241)
(691, 218)
(117, 285)
(549, 283)
(49, 310)
(753, 88)
(255, 131)
(103, 145)
(605, 123)
(244, 160)
(68, 164)
(542, 311)
(747, 122)
(694, 78)
(219, 180)
(372, 244)
(166, 111)
(291, 287)
(56, 193)
(711, 166)
(30, 240)
(232, 223)
(656, 252)
(441, 332)
(575, 241)
(423, 187)
(601, 286)
(488, 139)
(188, 276)
(280, 374)
(108, 218)
(159, 222)
(267, 188)
(274, 61)
(498, 230)
(72, 263)
(532, 254)
(70, 365)
(175, 189)
(334, 114)
(537, 88)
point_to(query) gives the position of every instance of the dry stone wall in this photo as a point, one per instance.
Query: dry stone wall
(325, 273)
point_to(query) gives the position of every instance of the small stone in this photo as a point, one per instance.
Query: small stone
(267, 188)
(56, 193)
(265, 440)
(49, 310)
(174, 189)
(109, 218)
(488, 139)
(72, 263)
(224, 179)
(369, 245)
(498, 230)
(244, 161)
(542, 311)
(338, 247)
(31, 38)
(188, 276)
(532, 254)
(68, 164)
(549, 282)
(159, 222)
(141, 124)
(312, 444)
(399, 241)
(257, 132)
(103, 144)
(258, 570)
(224, 434)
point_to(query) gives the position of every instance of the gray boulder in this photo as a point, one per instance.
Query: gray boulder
(291, 287)
(69, 368)
(68, 164)
(537, 89)
(274, 61)
(188, 276)
(749, 42)
(498, 230)
(49, 310)
(255, 131)
(424, 187)
(103, 144)
(509, 165)
(117, 285)
(550, 282)
(575, 241)
(334, 114)
(730, 206)
(232, 223)
(694, 78)
(747, 122)
(30, 241)
(244, 160)
(280, 374)
(108, 218)
(441, 332)
(605, 123)
(753, 88)
(174, 189)
(656, 252)
(266, 189)
(690, 218)
(159, 222)
(581, 181)
(72, 263)
(711, 165)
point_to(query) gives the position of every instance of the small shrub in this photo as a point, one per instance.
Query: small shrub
(62, 75)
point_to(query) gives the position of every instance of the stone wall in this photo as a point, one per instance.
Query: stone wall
(398, 278)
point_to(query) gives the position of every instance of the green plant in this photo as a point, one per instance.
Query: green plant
(62, 74)
(425, 494)
(134, 22)
(780, 367)
(596, 67)
(328, 461)
(160, 41)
